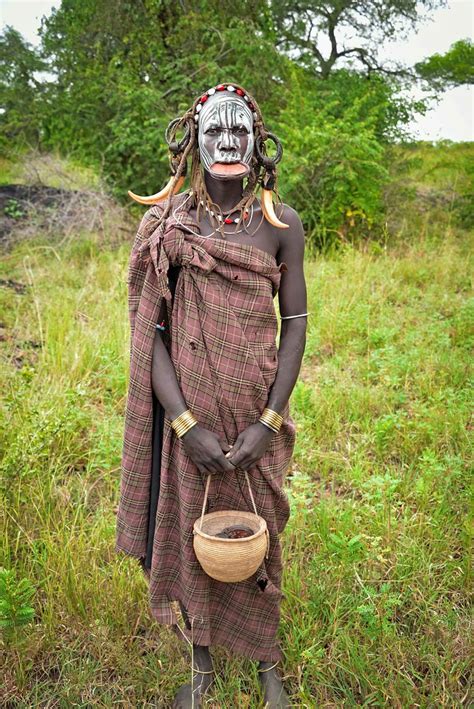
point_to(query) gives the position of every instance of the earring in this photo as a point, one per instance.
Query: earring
(269, 163)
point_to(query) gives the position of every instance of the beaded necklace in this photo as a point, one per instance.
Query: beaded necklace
(238, 231)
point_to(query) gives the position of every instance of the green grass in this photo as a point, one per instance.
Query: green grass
(377, 550)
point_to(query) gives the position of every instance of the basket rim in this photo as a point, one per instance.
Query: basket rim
(213, 538)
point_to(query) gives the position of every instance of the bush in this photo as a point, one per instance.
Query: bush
(333, 170)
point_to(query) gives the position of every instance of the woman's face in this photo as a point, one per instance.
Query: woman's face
(225, 136)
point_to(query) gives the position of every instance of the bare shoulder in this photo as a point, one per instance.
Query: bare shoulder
(291, 240)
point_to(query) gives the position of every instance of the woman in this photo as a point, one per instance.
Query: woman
(209, 390)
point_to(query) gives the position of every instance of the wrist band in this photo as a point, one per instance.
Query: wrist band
(182, 423)
(272, 419)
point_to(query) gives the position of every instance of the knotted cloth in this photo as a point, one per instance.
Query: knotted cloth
(223, 330)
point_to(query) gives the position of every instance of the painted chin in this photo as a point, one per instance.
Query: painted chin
(229, 170)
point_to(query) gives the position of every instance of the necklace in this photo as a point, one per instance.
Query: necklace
(238, 231)
(227, 219)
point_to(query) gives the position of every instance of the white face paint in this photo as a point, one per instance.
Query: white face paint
(225, 136)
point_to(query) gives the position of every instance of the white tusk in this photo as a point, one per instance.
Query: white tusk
(269, 210)
(159, 196)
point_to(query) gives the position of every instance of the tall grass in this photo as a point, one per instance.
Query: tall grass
(377, 550)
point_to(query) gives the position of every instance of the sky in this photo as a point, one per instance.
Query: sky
(451, 118)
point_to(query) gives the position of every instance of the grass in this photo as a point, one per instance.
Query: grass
(377, 550)
(51, 169)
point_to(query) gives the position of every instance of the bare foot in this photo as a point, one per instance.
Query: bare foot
(274, 694)
(201, 683)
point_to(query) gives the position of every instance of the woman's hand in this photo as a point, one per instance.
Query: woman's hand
(206, 450)
(250, 445)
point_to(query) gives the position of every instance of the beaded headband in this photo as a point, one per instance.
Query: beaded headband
(224, 87)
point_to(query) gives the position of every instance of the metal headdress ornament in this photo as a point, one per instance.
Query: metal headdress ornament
(263, 166)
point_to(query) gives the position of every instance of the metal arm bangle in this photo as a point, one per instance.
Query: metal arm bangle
(287, 317)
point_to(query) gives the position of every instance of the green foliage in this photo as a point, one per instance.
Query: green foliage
(15, 602)
(455, 68)
(20, 91)
(334, 170)
(13, 209)
(123, 72)
(119, 72)
(430, 186)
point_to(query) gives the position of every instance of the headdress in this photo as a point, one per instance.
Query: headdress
(262, 168)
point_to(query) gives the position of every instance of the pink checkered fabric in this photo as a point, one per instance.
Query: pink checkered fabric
(223, 330)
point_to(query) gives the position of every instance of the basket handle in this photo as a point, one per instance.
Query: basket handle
(206, 492)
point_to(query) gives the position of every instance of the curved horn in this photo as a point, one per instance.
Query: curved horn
(159, 196)
(269, 210)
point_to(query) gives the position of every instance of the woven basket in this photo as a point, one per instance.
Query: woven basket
(230, 560)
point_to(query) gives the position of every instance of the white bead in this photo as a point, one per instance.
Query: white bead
(211, 92)
(198, 107)
(255, 115)
(231, 88)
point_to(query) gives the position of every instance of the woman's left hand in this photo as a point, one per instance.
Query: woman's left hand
(250, 445)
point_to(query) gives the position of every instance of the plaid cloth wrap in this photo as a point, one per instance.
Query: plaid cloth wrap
(223, 329)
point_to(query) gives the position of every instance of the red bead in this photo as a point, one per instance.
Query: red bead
(221, 87)
(246, 215)
(228, 220)
(251, 106)
(240, 92)
(204, 98)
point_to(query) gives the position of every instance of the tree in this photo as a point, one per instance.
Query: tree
(353, 30)
(455, 68)
(123, 70)
(20, 89)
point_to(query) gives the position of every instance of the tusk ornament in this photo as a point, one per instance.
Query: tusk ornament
(159, 196)
(269, 210)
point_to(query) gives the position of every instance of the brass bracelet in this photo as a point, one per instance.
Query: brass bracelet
(182, 423)
(185, 429)
(185, 416)
(268, 425)
(272, 419)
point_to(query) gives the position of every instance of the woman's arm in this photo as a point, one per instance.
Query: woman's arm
(252, 443)
(292, 300)
(202, 445)
(163, 376)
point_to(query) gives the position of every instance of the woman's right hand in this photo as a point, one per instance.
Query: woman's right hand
(206, 450)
